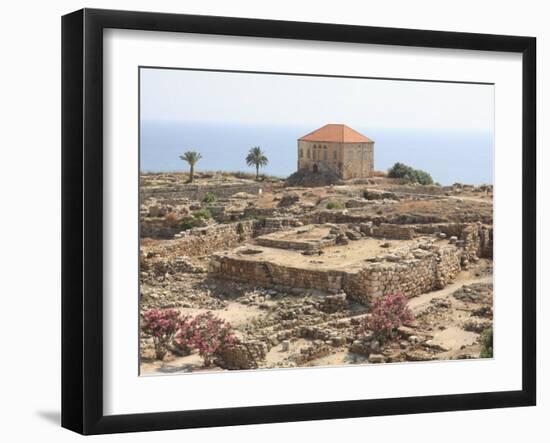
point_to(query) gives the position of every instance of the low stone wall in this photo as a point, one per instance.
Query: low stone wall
(197, 192)
(428, 270)
(218, 237)
(340, 217)
(425, 189)
(253, 212)
(269, 225)
(203, 241)
(396, 232)
(375, 194)
(476, 238)
(158, 228)
(267, 274)
(297, 245)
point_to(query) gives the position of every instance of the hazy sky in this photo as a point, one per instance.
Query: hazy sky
(222, 97)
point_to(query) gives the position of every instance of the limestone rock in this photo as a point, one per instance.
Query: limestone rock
(377, 358)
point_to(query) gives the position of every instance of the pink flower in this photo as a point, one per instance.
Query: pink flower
(387, 314)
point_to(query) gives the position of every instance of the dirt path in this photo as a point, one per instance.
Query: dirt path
(418, 303)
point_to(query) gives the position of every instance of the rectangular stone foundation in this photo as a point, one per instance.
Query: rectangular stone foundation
(305, 238)
(413, 269)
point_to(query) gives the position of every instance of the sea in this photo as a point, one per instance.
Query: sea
(450, 156)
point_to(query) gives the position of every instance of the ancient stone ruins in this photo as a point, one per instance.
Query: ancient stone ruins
(295, 271)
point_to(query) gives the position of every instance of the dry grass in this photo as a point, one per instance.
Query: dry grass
(379, 174)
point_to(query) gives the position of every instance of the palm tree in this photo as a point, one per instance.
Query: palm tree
(256, 158)
(192, 158)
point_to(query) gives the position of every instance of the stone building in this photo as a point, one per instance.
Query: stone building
(337, 148)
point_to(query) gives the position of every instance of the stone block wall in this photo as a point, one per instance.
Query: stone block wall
(203, 241)
(339, 217)
(269, 225)
(267, 274)
(158, 228)
(478, 241)
(425, 189)
(486, 242)
(254, 212)
(305, 278)
(218, 237)
(197, 192)
(475, 238)
(448, 265)
(296, 245)
(396, 232)
(429, 270)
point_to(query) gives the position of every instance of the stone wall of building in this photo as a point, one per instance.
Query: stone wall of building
(348, 160)
(358, 160)
(328, 154)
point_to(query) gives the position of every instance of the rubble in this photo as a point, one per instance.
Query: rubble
(296, 280)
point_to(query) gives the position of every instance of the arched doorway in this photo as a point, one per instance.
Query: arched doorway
(315, 168)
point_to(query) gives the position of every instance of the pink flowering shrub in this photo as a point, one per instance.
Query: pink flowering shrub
(162, 326)
(208, 334)
(388, 313)
(182, 341)
(205, 332)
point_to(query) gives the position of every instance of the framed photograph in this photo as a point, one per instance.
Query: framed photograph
(268, 221)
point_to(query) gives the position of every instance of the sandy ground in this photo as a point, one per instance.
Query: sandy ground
(347, 258)
(235, 313)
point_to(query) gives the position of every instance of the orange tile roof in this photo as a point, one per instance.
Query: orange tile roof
(336, 133)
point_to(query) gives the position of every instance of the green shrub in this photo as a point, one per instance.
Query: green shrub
(240, 231)
(188, 223)
(209, 198)
(410, 175)
(335, 205)
(240, 228)
(487, 343)
(203, 213)
(399, 170)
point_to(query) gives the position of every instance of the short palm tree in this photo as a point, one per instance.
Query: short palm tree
(256, 158)
(192, 158)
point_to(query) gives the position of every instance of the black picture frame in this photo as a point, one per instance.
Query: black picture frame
(82, 218)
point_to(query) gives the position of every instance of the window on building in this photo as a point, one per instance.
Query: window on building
(308, 154)
(301, 153)
(335, 155)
